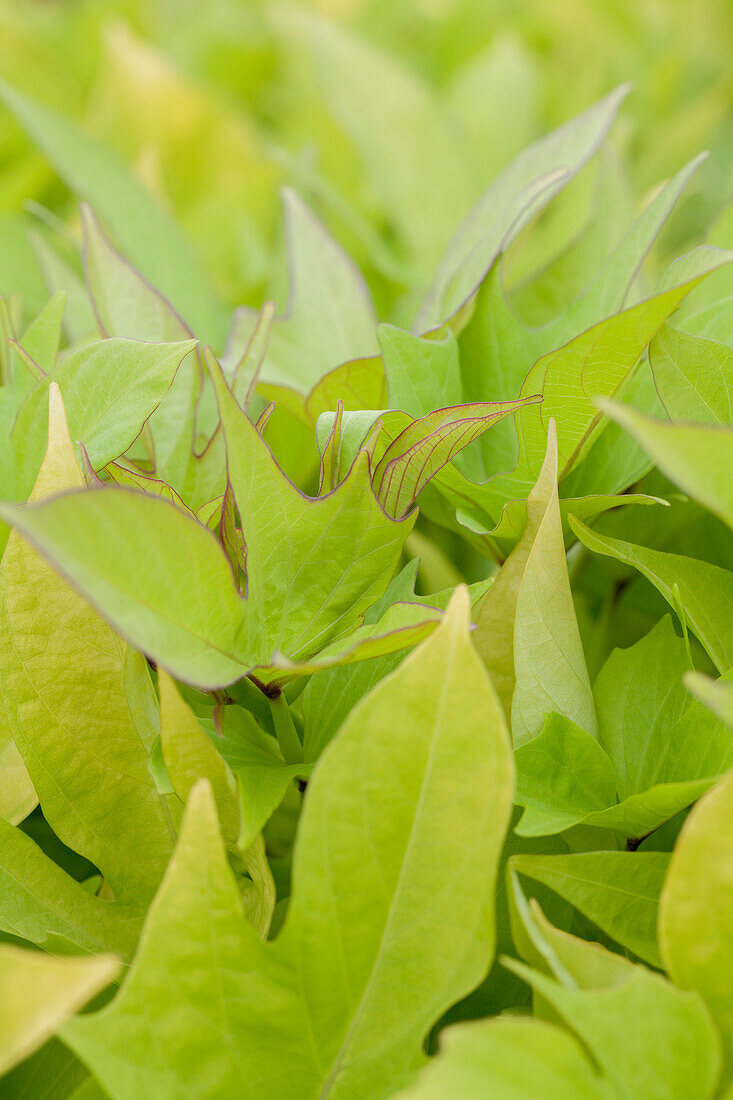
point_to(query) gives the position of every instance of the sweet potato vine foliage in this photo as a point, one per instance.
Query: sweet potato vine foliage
(366, 724)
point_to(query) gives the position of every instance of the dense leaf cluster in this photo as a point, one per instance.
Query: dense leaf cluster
(366, 722)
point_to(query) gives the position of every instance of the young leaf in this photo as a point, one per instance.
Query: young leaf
(426, 445)
(517, 195)
(314, 565)
(536, 573)
(549, 663)
(563, 776)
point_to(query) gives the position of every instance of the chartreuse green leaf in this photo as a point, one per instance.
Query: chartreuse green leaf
(362, 969)
(512, 200)
(39, 992)
(639, 697)
(356, 79)
(647, 1038)
(527, 633)
(497, 349)
(549, 663)
(697, 457)
(110, 388)
(78, 704)
(508, 1058)
(190, 755)
(328, 320)
(422, 373)
(573, 961)
(717, 695)
(704, 590)
(42, 338)
(570, 379)
(694, 377)
(696, 907)
(563, 776)
(124, 302)
(140, 225)
(596, 363)
(425, 446)
(618, 891)
(314, 565)
(115, 546)
(40, 903)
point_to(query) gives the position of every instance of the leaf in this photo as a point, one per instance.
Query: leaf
(563, 776)
(189, 755)
(422, 374)
(517, 195)
(717, 695)
(140, 225)
(574, 962)
(124, 302)
(328, 320)
(705, 590)
(639, 697)
(384, 952)
(425, 446)
(114, 546)
(42, 338)
(696, 907)
(110, 388)
(618, 891)
(677, 1057)
(508, 1058)
(693, 376)
(698, 458)
(549, 663)
(77, 701)
(40, 903)
(355, 78)
(39, 992)
(596, 363)
(497, 350)
(262, 775)
(500, 635)
(314, 565)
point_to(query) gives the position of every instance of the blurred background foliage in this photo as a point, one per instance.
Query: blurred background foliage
(389, 117)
